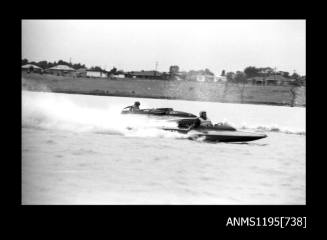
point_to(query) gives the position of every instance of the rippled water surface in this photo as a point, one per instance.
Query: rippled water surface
(77, 149)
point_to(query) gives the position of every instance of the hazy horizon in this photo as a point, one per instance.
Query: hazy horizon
(218, 45)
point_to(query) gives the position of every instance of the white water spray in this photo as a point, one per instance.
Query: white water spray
(54, 111)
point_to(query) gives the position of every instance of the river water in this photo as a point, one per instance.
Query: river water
(79, 149)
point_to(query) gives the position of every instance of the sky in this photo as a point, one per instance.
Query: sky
(133, 45)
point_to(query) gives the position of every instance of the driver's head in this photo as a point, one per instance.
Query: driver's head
(203, 114)
(137, 103)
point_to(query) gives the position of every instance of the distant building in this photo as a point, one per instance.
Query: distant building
(31, 68)
(81, 72)
(200, 76)
(220, 79)
(175, 76)
(145, 74)
(119, 76)
(61, 70)
(116, 76)
(278, 80)
(96, 74)
(256, 80)
(270, 80)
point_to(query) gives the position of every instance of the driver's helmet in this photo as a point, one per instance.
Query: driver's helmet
(203, 114)
(137, 103)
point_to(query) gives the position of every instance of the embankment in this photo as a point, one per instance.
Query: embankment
(186, 90)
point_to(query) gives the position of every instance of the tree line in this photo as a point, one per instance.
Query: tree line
(251, 72)
(238, 76)
(45, 65)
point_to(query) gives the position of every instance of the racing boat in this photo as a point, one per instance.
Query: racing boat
(216, 133)
(158, 112)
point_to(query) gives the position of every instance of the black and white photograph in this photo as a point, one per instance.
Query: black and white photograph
(163, 112)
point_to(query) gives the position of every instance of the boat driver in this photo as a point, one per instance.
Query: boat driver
(135, 107)
(201, 121)
(204, 120)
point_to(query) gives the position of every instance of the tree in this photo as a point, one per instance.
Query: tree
(53, 64)
(78, 66)
(173, 69)
(97, 68)
(113, 71)
(43, 64)
(240, 77)
(230, 76)
(207, 71)
(286, 74)
(251, 72)
(295, 76)
(61, 62)
(266, 71)
(24, 61)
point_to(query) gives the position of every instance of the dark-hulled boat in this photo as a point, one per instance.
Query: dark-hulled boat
(216, 133)
(158, 112)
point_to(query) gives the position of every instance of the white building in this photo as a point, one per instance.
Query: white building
(200, 78)
(119, 76)
(31, 68)
(220, 79)
(61, 70)
(96, 74)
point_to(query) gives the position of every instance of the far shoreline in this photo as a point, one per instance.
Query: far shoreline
(163, 98)
(163, 89)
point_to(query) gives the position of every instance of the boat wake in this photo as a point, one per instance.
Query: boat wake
(273, 129)
(58, 112)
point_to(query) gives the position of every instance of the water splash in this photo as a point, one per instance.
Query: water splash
(58, 111)
(272, 128)
(53, 111)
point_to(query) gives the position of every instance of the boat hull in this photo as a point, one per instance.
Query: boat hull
(219, 135)
(160, 112)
